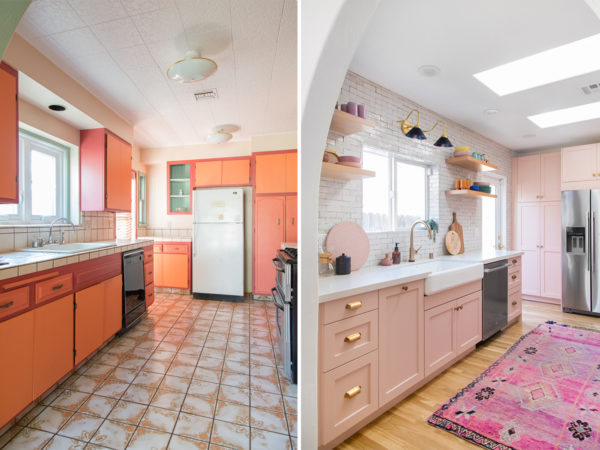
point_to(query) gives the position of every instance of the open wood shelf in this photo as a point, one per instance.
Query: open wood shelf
(345, 123)
(468, 162)
(339, 171)
(469, 193)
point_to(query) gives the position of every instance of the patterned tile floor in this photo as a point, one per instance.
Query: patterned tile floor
(193, 374)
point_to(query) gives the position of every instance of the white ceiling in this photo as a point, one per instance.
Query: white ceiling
(464, 37)
(120, 51)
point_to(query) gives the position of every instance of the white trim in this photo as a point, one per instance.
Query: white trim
(501, 205)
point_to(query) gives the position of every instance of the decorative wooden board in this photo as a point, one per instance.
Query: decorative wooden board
(452, 243)
(457, 227)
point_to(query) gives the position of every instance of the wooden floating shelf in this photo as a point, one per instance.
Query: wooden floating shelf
(468, 193)
(341, 172)
(468, 162)
(344, 123)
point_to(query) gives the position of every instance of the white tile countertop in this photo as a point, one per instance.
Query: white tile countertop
(170, 239)
(22, 262)
(333, 287)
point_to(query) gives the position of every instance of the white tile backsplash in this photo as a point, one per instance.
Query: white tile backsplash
(341, 201)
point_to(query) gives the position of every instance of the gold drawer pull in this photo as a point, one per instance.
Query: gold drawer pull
(405, 288)
(354, 305)
(458, 308)
(514, 261)
(7, 305)
(57, 287)
(514, 303)
(353, 392)
(514, 277)
(353, 337)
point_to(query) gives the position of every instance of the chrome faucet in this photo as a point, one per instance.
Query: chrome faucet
(52, 226)
(412, 252)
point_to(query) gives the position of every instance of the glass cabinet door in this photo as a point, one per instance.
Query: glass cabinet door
(179, 189)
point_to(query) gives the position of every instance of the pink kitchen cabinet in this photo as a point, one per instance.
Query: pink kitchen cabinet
(529, 182)
(579, 164)
(550, 251)
(529, 227)
(538, 178)
(550, 177)
(401, 339)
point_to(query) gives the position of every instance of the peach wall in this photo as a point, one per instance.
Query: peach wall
(274, 142)
(41, 120)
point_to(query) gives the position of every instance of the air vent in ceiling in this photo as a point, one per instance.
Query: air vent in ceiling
(591, 89)
(209, 94)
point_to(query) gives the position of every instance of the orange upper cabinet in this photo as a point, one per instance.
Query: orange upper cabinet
(276, 173)
(236, 172)
(208, 173)
(53, 343)
(291, 218)
(105, 162)
(16, 354)
(9, 135)
(291, 172)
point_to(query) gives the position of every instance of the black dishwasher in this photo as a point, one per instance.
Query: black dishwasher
(134, 292)
(495, 298)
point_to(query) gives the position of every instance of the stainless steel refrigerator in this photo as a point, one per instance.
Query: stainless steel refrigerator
(580, 247)
(218, 244)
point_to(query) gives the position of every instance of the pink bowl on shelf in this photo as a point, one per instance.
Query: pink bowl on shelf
(462, 153)
(349, 159)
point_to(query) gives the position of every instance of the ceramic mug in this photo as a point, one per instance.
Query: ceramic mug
(352, 108)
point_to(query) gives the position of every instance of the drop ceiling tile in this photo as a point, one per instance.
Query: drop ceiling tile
(160, 25)
(98, 11)
(207, 25)
(118, 34)
(142, 6)
(166, 53)
(137, 57)
(77, 43)
(53, 16)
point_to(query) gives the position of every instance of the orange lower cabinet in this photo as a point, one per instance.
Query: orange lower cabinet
(113, 306)
(149, 294)
(89, 321)
(175, 270)
(268, 236)
(16, 377)
(53, 343)
(159, 273)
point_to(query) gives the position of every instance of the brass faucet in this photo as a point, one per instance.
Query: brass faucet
(412, 252)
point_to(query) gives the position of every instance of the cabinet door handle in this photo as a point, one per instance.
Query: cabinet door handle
(514, 261)
(405, 288)
(354, 305)
(456, 308)
(57, 287)
(514, 303)
(353, 337)
(149, 273)
(514, 277)
(353, 392)
(7, 305)
(292, 221)
(278, 221)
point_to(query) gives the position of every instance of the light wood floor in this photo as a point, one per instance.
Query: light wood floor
(405, 426)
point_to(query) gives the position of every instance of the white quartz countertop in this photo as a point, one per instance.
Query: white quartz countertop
(333, 287)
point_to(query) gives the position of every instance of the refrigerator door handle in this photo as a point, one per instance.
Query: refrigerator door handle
(589, 244)
(593, 243)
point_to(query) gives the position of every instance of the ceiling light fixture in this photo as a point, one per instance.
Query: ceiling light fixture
(555, 64)
(58, 108)
(191, 68)
(415, 132)
(564, 116)
(491, 111)
(429, 70)
(221, 134)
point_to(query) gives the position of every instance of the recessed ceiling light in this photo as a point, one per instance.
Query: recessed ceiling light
(528, 136)
(57, 107)
(491, 112)
(567, 115)
(429, 70)
(559, 63)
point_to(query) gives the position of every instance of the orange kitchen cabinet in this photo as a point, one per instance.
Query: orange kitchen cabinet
(291, 218)
(16, 376)
(291, 172)
(208, 173)
(175, 271)
(236, 172)
(89, 321)
(270, 173)
(52, 343)
(113, 306)
(159, 273)
(9, 134)
(269, 233)
(105, 168)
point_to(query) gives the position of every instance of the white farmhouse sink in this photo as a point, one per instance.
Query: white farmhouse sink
(447, 274)
(75, 247)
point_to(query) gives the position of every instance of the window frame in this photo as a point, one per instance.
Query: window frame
(392, 160)
(142, 200)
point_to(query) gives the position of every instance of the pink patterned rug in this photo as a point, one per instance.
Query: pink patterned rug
(543, 393)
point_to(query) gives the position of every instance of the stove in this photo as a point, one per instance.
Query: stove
(285, 297)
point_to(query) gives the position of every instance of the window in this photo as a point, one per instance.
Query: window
(493, 213)
(141, 198)
(126, 227)
(43, 182)
(386, 205)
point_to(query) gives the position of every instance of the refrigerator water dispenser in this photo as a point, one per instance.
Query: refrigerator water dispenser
(575, 240)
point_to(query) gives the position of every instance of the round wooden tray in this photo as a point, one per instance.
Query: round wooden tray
(452, 242)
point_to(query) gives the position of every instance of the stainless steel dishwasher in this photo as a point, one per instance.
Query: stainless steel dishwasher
(495, 298)
(134, 292)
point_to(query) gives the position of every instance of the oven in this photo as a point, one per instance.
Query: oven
(134, 288)
(285, 297)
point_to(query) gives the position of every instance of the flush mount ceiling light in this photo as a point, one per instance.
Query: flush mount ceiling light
(429, 70)
(58, 108)
(191, 68)
(491, 112)
(559, 63)
(567, 115)
(221, 134)
(415, 132)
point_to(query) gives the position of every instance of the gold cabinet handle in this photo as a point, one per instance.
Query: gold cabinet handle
(57, 287)
(514, 303)
(354, 305)
(405, 288)
(292, 221)
(353, 392)
(514, 277)
(456, 308)
(353, 337)
(514, 261)
(7, 305)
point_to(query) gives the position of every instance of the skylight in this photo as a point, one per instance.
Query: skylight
(559, 63)
(567, 115)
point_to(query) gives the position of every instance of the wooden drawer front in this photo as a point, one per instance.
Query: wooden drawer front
(175, 248)
(349, 306)
(348, 339)
(54, 287)
(14, 301)
(148, 254)
(514, 304)
(157, 248)
(514, 280)
(149, 294)
(514, 262)
(348, 394)
(149, 273)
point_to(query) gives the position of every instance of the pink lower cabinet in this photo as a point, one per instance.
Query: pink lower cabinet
(401, 339)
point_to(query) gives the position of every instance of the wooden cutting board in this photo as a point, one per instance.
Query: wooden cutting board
(452, 243)
(457, 227)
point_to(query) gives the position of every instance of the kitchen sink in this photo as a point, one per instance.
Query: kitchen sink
(446, 274)
(74, 247)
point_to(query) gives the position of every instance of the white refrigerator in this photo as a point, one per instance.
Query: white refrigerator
(218, 244)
